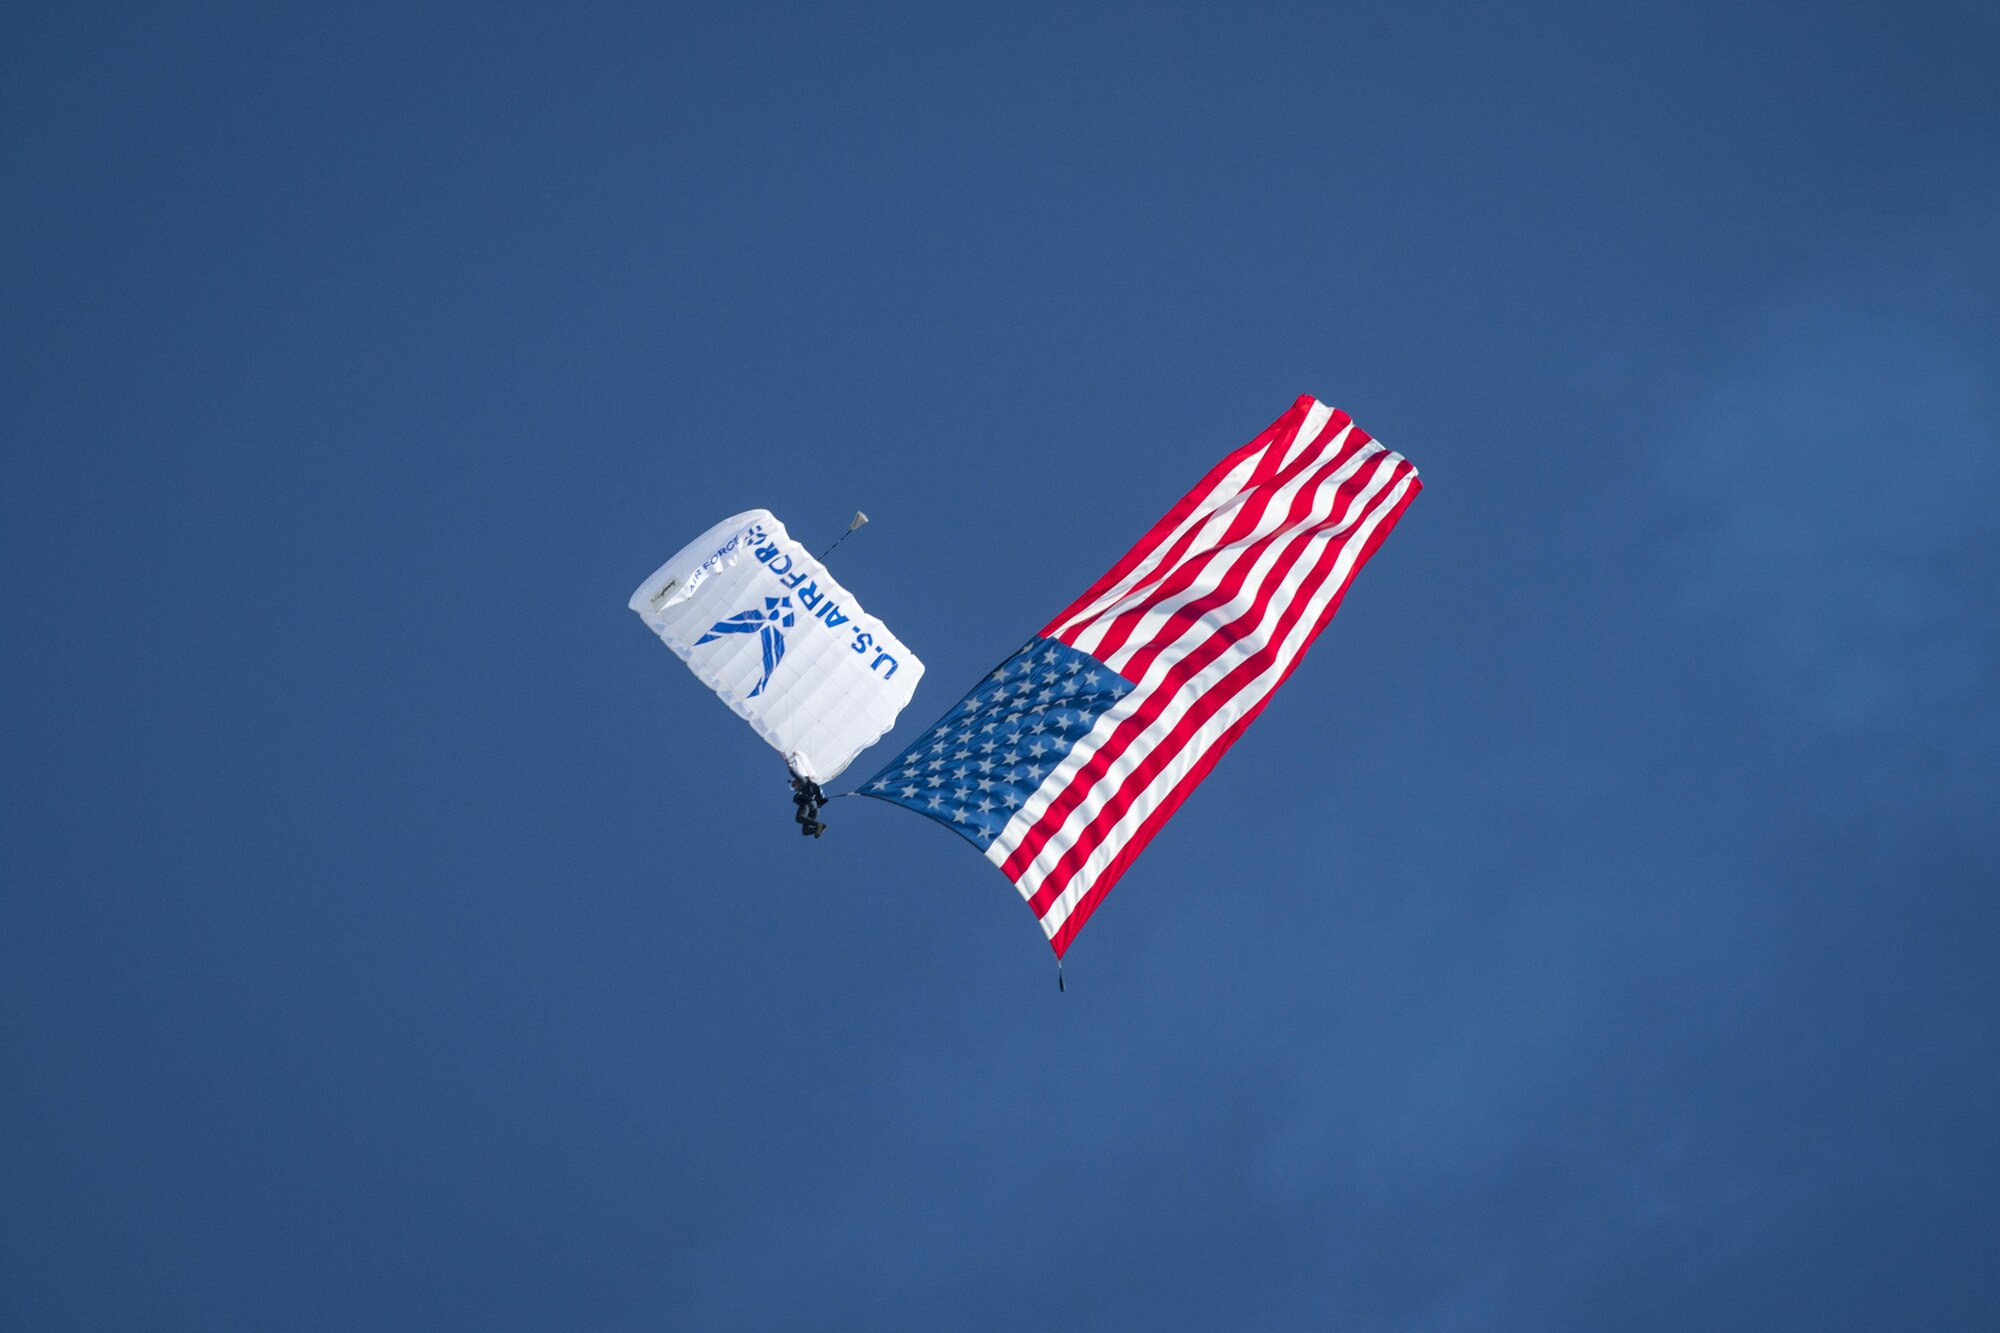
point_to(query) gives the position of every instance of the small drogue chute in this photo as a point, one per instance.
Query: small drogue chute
(762, 623)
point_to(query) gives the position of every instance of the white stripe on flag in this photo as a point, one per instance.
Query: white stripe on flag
(1188, 755)
(1280, 604)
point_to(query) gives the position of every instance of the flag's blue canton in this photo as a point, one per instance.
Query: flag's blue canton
(987, 756)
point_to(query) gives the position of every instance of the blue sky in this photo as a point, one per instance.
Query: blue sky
(1597, 931)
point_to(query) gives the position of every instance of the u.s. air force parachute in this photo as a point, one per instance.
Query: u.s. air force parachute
(762, 623)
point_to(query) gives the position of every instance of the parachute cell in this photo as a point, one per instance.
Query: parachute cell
(762, 623)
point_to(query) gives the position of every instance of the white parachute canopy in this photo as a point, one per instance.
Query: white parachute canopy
(763, 624)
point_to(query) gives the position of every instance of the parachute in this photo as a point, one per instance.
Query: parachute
(761, 622)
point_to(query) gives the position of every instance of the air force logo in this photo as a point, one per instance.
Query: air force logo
(769, 625)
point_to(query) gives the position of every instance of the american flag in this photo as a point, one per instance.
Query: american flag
(1065, 761)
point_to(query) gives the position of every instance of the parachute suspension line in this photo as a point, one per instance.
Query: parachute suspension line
(809, 799)
(859, 519)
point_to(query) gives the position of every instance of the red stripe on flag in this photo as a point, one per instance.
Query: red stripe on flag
(1195, 659)
(1157, 817)
(1285, 426)
(1258, 494)
(1135, 666)
(1133, 786)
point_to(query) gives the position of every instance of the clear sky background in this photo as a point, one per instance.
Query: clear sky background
(1599, 930)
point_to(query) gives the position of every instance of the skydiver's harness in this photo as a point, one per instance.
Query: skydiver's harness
(807, 796)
